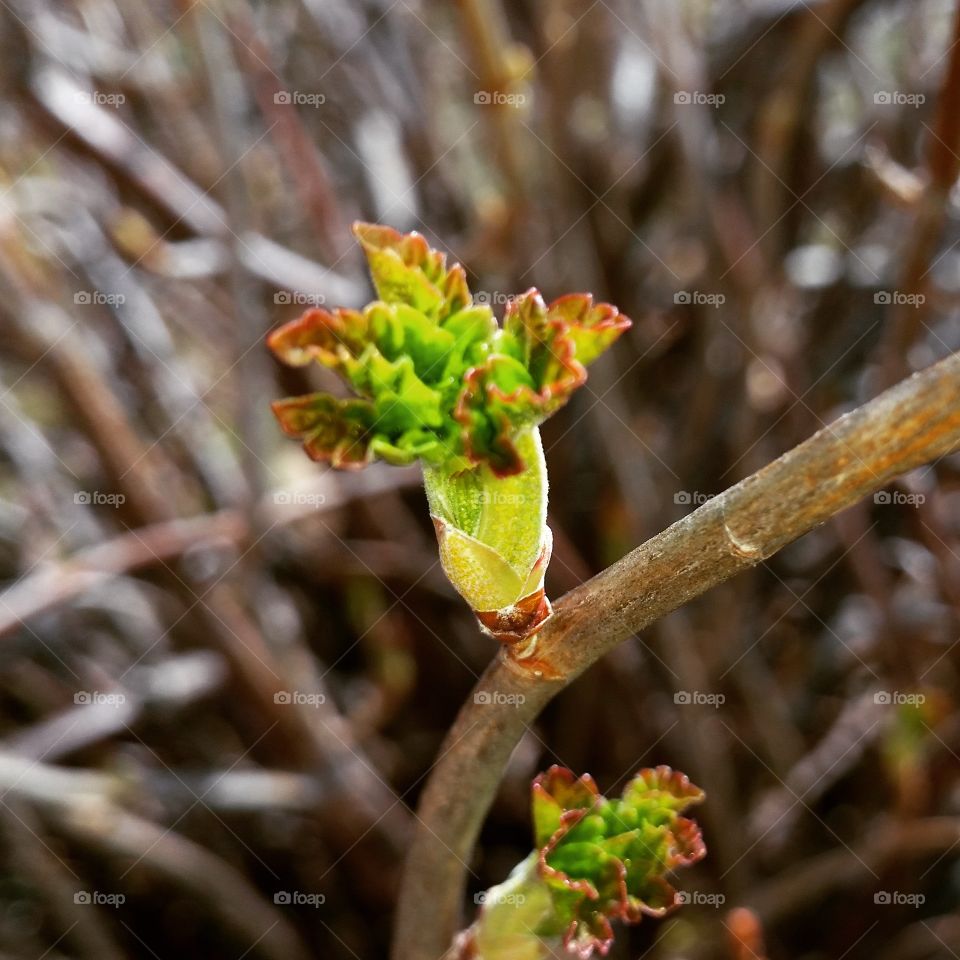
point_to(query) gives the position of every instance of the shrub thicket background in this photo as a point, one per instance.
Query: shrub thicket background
(225, 671)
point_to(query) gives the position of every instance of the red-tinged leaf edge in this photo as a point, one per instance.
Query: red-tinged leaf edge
(587, 321)
(503, 381)
(562, 800)
(318, 334)
(547, 339)
(332, 430)
(665, 782)
(444, 290)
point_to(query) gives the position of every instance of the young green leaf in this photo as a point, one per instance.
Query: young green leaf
(596, 860)
(436, 379)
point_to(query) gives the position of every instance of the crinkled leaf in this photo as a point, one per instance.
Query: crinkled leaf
(496, 403)
(344, 432)
(439, 381)
(473, 330)
(604, 859)
(661, 787)
(472, 385)
(332, 339)
(331, 429)
(591, 933)
(532, 370)
(592, 327)
(555, 793)
(406, 270)
(543, 345)
(402, 401)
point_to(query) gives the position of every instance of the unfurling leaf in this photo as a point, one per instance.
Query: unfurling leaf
(607, 858)
(436, 379)
(596, 860)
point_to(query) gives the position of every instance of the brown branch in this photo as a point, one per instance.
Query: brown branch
(909, 425)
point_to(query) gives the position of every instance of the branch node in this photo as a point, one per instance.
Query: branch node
(524, 660)
(744, 546)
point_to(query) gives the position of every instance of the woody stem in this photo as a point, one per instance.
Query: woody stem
(914, 422)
